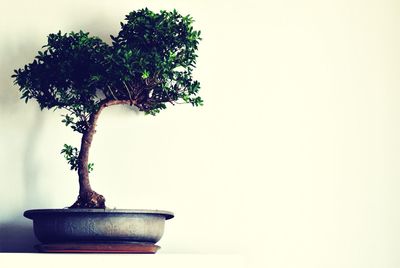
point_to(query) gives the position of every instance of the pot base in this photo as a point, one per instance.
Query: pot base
(101, 247)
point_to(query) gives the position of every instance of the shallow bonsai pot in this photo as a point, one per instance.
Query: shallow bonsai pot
(94, 227)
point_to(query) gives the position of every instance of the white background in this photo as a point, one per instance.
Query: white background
(292, 162)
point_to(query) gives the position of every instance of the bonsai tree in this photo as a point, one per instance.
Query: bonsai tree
(148, 65)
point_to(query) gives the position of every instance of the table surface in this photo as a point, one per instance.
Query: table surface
(158, 260)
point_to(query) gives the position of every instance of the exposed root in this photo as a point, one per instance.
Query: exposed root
(90, 200)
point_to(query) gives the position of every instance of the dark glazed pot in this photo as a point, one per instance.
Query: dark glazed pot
(98, 225)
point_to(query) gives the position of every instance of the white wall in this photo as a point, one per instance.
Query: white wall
(292, 162)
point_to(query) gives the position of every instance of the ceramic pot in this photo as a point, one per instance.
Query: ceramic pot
(52, 226)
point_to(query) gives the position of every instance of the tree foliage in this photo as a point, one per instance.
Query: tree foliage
(149, 63)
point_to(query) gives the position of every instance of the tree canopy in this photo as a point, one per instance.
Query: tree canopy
(148, 64)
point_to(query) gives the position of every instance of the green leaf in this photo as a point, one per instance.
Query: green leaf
(145, 74)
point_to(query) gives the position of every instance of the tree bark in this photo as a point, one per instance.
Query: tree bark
(87, 197)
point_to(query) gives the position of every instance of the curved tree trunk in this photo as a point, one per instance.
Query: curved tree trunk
(87, 197)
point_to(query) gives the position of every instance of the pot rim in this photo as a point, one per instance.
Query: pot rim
(32, 213)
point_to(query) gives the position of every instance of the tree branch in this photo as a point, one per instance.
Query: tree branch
(112, 92)
(129, 93)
